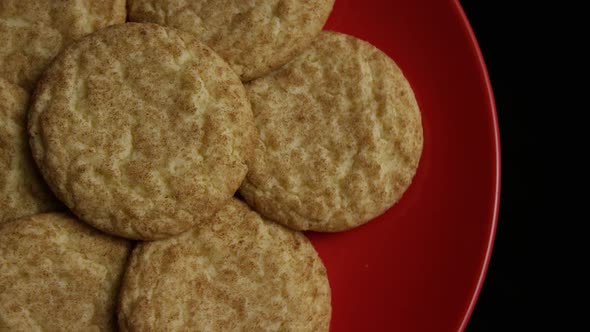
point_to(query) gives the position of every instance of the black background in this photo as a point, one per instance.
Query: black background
(498, 27)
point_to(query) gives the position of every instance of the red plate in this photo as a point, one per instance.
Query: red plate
(420, 266)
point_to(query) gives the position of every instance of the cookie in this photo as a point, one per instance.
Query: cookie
(32, 32)
(254, 36)
(141, 130)
(22, 189)
(237, 272)
(340, 137)
(58, 274)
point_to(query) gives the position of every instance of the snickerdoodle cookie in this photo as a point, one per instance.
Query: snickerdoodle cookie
(253, 36)
(340, 137)
(22, 189)
(58, 274)
(237, 272)
(32, 32)
(141, 130)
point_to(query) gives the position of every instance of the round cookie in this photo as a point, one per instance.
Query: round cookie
(32, 32)
(340, 137)
(22, 190)
(141, 130)
(237, 272)
(58, 274)
(254, 36)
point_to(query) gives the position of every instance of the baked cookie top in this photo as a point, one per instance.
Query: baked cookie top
(58, 274)
(253, 36)
(22, 189)
(237, 272)
(32, 32)
(141, 130)
(340, 137)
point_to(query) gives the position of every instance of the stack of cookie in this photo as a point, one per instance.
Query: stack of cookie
(122, 175)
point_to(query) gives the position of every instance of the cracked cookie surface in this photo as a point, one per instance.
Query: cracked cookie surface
(340, 137)
(253, 36)
(22, 189)
(58, 274)
(141, 130)
(237, 272)
(32, 32)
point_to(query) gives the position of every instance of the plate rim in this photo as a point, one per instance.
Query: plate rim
(482, 68)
